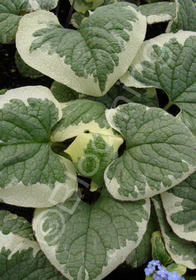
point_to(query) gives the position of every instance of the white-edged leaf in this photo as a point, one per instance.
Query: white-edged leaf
(91, 240)
(92, 153)
(20, 257)
(143, 253)
(79, 116)
(31, 174)
(90, 59)
(180, 250)
(180, 207)
(160, 152)
(82, 6)
(168, 62)
(11, 223)
(158, 12)
(185, 16)
(10, 15)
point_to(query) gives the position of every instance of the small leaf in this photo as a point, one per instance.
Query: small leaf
(82, 6)
(181, 251)
(160, 152)
(89, 60)
(169, 62)
(31, 174)
(179, 268)
(158, 12)
(92, 153)
(24, 69)
(158, 249)
(180, 207)
(89, 241)
(20, 257)
(63, 93)
(80, 116)
(120, 94)
(185, 17)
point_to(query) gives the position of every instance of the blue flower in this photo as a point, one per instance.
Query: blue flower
(174, 276)
(162, 272)
(157, 277)
(149, 270)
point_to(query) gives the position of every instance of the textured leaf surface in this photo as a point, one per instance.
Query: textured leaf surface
(143, 253)
(181, 250)
(120, 94)
(82, 6)
(160, 152)
(185, 16)
(10, 11)
(21, 258)
(169, 62)
(92, 240)
(11, 223)
(31, 174)
(92, 153)
(180, 207)
(90, 59)
(80, 116)
(158, 12)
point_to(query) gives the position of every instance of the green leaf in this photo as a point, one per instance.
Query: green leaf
(3, 91)
(185, 17)
(181, 251)
(80, 116)
(158, 12)
(10, 15)
(24, 69)
(169, 62)
(63, 93)
(20, 257)
(179, 268)
(31, 174)
(89, 60)
(180, 207)
(11, 223)
(84, 5)
(120, 94)
(78, 18)
(160, 152)
(92, 153)
(158, 249)
(91, 240)
(143, 253)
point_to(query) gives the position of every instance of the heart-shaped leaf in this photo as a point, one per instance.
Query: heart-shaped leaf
(169, 62)
(160, 152)
(180, 207)
(92, 240)
(31, 174)
(180, 250)
(20, 257)
(90, 59)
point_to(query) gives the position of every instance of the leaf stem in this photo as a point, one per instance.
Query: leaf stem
(58, 8)
(70, 14)
(166, 108)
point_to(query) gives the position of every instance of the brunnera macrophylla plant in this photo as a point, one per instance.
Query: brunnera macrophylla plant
(48, 137)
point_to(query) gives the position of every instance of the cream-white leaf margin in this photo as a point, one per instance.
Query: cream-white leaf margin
(54, 66)
(37, 195)
(180, 204)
